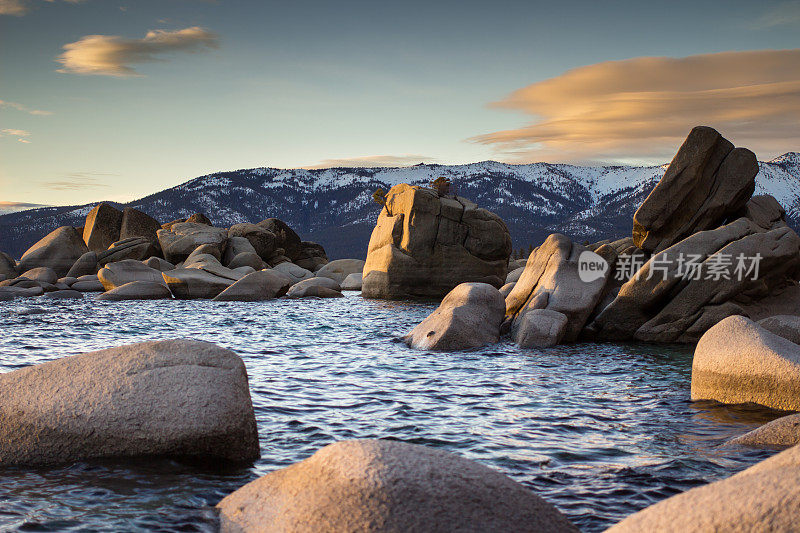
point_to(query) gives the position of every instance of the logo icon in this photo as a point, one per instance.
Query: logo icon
(591, 266)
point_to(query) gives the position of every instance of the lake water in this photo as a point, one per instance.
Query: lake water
(599, 430)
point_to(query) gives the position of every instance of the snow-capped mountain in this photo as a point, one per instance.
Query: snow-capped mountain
(334, 206)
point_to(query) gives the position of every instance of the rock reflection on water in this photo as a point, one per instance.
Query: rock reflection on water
(600, 430)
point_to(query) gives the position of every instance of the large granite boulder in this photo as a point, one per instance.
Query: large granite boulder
(254, 287)
(138, 224)
(236, 246)
(41, 274)
(178, 242)
(670, 301)
(249, 259)
(8, 267)
(301, 288)
(58, 250)
(285, 237)
(311, 256)
(738, 361)
(115, 275)
(262, 240)
(425, 245)
(138, 290)
(295, 272)
(786, 326)
(195, 283)
(707, 181)
(103, 224)
(178, 398)
(339, 269)
(377, 486)
(468, 317)
(138, 248)
(764, 497)
(352, 282)
(85, 265)
(540, 328)
(551, 280)
(782, 432)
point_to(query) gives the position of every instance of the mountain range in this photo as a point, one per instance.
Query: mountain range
(334, 206)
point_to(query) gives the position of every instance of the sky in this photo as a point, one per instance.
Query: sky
(118, 99)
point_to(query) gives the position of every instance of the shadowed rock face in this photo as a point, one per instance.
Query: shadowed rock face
(708, 181)
(738, 361)
(103, 224)
(176, 398)
(138, 224)
(387, 486)
(764, 497)
(424, 245)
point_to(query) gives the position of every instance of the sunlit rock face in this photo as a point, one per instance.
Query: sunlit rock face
(424, 245)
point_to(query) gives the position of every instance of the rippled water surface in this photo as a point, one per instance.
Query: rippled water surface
(599, 430)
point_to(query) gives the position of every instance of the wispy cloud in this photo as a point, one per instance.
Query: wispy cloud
(375, 161)
(112, 55)
(784, 14)
(23, 108)
(19, 135)
(78, 181)
(642, 108)
(19, 8)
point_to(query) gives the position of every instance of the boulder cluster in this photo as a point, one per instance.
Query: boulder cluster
(702, 249)
(128, 255)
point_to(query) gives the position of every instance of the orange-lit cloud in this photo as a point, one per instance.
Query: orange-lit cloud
(19, 135)
(375, 161)
(23, 108)
(18, 8)
(642, 108)
(111, 55)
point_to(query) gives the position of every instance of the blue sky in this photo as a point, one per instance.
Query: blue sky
(174, 89)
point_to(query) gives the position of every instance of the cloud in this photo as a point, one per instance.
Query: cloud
(78, 181)
(19, 8)
(112, 55)
(375, 161)
(784, 14)
(19, 135)
(23, 108)
(642, 108)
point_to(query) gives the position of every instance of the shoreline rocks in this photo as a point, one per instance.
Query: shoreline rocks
(177, 398)
(383, 485)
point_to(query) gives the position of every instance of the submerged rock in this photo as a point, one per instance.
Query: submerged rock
(382, 485)
(423, 246)
(317, 287)
(784, 431)
(175, 398)
(738, 361)
(468, 317)
(764, 497)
